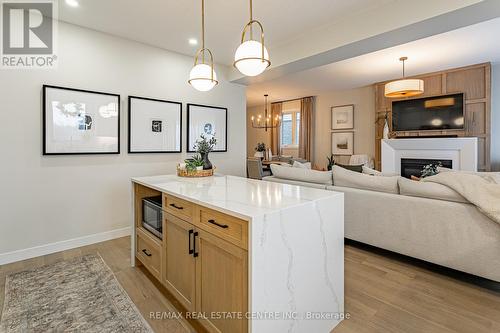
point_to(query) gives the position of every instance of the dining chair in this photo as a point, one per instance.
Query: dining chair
(255, 170)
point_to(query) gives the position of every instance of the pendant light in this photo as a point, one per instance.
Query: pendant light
(404, 87)
(251, 57)
(202, 76)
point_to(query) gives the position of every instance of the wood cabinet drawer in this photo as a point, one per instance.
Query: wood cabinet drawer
(227, 227)
(149, 253)
(178, 207)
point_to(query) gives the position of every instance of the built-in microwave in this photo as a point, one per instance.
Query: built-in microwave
(152, 215)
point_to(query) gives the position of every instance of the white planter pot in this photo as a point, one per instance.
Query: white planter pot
(200, 168)
(259, 154)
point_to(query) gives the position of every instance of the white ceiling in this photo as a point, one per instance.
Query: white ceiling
(170, 23)
(470, 45)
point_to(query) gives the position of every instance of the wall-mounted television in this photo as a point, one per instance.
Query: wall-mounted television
(429, 113)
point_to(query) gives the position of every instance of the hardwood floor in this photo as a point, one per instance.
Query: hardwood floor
(382, 294)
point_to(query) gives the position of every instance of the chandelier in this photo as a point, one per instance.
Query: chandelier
(267, 122)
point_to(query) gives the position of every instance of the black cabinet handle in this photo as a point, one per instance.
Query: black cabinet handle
(195, 254)
(190, 249)
(223, 226)
(146, 253)
(175, 206)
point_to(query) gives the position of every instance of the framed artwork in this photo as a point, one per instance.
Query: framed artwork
(154, 125)
(208, 120)
(80, 122)
(343, 117)
(343, 143)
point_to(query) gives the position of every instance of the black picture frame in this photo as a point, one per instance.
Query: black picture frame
(189, 134)
(129, 126)
(44, 121)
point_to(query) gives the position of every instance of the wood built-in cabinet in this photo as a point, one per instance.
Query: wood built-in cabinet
(180, 264)
(202, 260)
(474, 81)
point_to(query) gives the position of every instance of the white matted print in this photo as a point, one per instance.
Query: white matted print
(155, 126)
(343, 143)
(210, 121)
(80, 122)
(343, 117)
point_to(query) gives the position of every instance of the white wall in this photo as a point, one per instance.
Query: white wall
(495, 117)
(364, 122)
(49, 199)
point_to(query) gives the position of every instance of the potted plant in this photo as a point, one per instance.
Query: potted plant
(431, 169)
(204, 146)
(194, 163)
(331, 162)
(260, 150)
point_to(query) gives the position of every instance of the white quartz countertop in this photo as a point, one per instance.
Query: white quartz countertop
(241, 197)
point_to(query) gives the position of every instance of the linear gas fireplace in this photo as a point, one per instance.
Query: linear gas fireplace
(413, 166)
(458, 153)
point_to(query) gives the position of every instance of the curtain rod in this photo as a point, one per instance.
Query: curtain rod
(290, 100)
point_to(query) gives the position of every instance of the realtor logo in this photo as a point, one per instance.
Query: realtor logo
(28, 34)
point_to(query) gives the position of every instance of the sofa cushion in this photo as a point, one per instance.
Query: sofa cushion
(373, 172)
(355, 168)
(303, 175)
(428, 190)
(306, 165)
(346, 178)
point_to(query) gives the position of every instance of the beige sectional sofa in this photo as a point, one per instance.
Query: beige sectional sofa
(427, 221)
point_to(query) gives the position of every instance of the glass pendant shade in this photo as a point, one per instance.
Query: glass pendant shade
(251, 57)
(248, 58)
(404, 88)
(201, 77)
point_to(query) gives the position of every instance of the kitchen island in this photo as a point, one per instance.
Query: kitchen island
(246, 255)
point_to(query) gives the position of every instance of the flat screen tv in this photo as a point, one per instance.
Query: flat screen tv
(430, 113)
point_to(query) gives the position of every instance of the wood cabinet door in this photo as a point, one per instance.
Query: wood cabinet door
(179, 272)
(221, 283)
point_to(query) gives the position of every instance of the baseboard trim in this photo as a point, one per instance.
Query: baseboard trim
(37, 251)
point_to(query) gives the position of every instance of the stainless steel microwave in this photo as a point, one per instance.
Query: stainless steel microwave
(152, 215)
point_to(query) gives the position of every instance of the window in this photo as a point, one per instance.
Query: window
(290, 125)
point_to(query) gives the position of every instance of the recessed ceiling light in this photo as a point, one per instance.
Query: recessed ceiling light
(72, 3)
(193, 41)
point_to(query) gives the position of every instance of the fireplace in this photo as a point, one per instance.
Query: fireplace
(413, 166)
(462, 152)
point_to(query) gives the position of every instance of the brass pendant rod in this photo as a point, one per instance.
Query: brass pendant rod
(203, 30)
(251, 19)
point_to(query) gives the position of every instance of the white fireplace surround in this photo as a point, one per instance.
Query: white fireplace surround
(461, 151)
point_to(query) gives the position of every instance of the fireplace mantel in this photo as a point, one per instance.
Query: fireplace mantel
(462, 151)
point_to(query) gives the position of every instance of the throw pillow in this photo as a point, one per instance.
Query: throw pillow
(346, 178)
(355, 168)
(302, 165)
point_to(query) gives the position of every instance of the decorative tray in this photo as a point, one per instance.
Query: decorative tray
(195, 173)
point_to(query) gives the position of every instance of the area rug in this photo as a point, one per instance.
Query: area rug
(77, 295)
